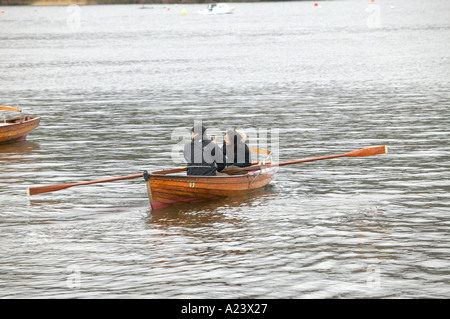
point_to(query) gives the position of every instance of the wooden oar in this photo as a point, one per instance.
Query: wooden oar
(375, 150)
(57, 187)
(8, 108)
(362, 152)
(258, 150)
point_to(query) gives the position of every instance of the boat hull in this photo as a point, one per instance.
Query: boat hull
(217, 9)
(166, 190)
(206, 12)
(15, 130)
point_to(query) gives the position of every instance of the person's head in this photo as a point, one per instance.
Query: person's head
(232, 137)
(198, 130)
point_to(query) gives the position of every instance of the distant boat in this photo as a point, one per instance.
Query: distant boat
(144, 7)
(16, 129)
(217, 8)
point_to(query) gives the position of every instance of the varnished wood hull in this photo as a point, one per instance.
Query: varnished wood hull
(165, 190)
(17, 129)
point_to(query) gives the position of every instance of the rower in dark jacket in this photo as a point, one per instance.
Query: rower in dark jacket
(204, 158)
(235, 150)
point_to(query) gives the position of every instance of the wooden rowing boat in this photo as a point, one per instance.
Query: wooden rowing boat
(165, 189)
(16, 128)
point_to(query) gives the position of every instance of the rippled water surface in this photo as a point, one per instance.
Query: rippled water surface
(112, 89)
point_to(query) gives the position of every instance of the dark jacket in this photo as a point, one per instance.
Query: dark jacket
(203, 157)
(241, 156)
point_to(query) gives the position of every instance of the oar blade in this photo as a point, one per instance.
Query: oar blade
(375, 150)
(9, 108)
(258, 150)
(47, 189)
(57, 187)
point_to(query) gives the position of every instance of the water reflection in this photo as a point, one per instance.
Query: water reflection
(210, 210)
(9, 150)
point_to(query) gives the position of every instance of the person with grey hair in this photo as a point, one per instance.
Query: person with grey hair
(235, 150)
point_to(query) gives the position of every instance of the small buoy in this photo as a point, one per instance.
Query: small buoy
(183, 11)
(3, 11)
(168, 8)
(316, 4)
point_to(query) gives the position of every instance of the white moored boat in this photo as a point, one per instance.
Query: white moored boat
(217, 8)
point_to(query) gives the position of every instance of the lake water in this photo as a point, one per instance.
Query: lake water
(112, 84)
